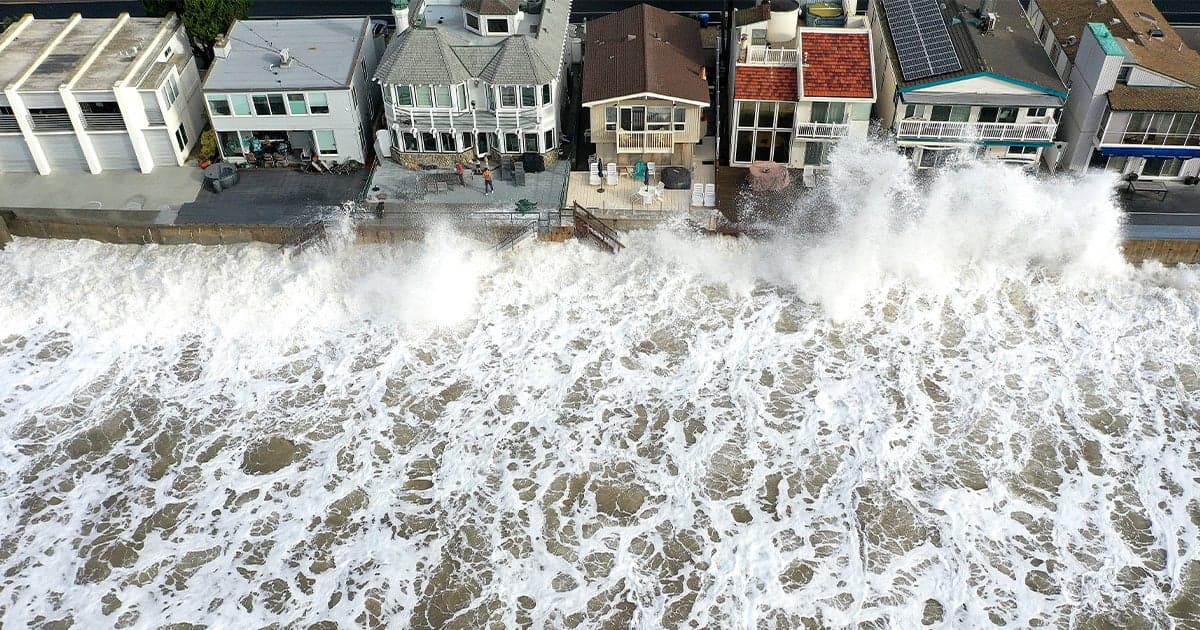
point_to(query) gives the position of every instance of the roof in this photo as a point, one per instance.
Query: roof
(836, 64)
(1010, 50)
(119, 45)
(435, 55)
(643, 49)
(323, 53)
(1156, 99)
(752, 15)
(1169, 55)
(764, 83)
(492, 7)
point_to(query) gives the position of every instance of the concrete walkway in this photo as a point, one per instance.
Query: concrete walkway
(161, 191)
(405, 190)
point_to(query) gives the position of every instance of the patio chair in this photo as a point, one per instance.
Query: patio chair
(710, 195)
(697, 195)
(610, 174)
(650, 170)
(639, 171)
(593, 177)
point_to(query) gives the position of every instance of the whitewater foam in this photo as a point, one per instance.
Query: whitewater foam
(956, 406)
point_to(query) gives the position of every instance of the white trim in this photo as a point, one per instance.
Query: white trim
(645, 95)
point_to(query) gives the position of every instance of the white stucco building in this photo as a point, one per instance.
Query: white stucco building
(96, 95)
(302, 83)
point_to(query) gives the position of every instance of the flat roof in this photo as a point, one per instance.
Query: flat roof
(63, 60)
(323, 53)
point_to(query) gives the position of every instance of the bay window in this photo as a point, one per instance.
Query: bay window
(508, 96)
(441, 96)
(528, 96)
(424, 96)
(404, 95)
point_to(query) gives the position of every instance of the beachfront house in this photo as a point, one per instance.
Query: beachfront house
(1135, 87)
(645, 86)
(300, 89)
(97, 94)
(802, 78)
(969, 75)
(473, 78)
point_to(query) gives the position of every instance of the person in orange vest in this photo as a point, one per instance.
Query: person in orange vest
(487, 180)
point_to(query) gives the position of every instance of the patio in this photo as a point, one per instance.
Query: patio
(611, 201)
(406, 190)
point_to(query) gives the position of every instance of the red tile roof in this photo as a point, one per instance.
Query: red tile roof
(836, 65)
(758, 83)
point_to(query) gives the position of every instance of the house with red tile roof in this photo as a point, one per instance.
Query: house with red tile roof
(802, 78)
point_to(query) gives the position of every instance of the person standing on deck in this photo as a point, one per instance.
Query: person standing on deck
(487, 180)
(458, 168)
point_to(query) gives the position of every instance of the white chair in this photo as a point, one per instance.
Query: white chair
(593, 177)
(650, 170)
(710, 195)
(610, 174)
(658, 190)
(643, 194)
(697, 195)
(809, 177)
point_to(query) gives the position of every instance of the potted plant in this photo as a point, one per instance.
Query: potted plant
(208, 147)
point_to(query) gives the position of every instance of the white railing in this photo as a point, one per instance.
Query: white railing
(1030, 132)
(103, 121)
(763, 56)
(645, 141)
(8, 124)
(51, 122)
(822, 130)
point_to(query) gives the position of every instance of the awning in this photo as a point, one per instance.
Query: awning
(1152, 152)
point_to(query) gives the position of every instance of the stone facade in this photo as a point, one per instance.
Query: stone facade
(416, 160)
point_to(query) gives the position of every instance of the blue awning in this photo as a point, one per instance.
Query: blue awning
(1152, 152)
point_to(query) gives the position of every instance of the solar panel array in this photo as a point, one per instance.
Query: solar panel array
(921, 38)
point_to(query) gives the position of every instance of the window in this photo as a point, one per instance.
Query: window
(241, 104)
(828, 113)
(447, 139)
(497, 25)
(276, 103)
(410, 141)
(230, 144)
(424, 96)
(260, 105)
(548, 139)
(441, 96)
(326, 141)
(491, 98)
(528, 96)
(219, 105)
(546, 100)
(914, 111)
(745, 143)
(170, 91)
(758, 37)
(467, 140)
(956, 113)
(998, 114)
(531, 142)
(462, 96)
(428, 142)
(1022, 150)
(1042, 32)
(181, 137)
(508, 96)
(762, 146)
(783, 147)
(318, 103)
(816, 153)
(404, 95)
(472, 21)
(1123, 74)
(512, 144)
(680, 119)
(658, 118)
(1161, 167)
(766, 114)
(787, 116)
(296, 104)
(1036, 112)
(610, 118)
(746, 115)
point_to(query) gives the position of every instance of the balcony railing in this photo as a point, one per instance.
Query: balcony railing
(107, 121)
(1031, 132)
(822, 130)
(8, 124)
(763, 56)
(51, 122)
(1151, 139)
(645, 141)
(478, 119)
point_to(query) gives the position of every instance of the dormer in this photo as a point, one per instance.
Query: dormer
(498, 18)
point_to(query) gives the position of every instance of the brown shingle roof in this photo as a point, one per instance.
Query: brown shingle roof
(492, 7)
(1154, 99)
(1168, 55)
(643, 49)
(836, 64)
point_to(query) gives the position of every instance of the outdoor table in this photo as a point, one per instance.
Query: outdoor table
(1149, 187)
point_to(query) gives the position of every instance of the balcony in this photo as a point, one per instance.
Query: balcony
(477, 119)
(822, 130)
(98, 121)
(51, 121)
(976, 131)
(763, 56)
(8, 124)
(645, 141)
(1151, 139)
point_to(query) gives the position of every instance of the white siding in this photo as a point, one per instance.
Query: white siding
(115, 151)
(63, 153)
(15, 156)
(162, 147)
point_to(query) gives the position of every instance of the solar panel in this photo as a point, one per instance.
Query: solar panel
(922, 41)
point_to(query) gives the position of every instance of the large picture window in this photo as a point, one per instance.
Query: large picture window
(497, 26)
(404, 95)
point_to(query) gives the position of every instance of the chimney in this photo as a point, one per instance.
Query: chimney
(221, 47)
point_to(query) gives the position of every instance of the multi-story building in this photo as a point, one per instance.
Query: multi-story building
(797, 88)
(964, 74)
(1135, 87)
(470, 78)
(303, 84)
(97, 95)
(645, 85)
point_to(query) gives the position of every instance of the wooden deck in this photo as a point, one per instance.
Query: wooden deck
(622, 197)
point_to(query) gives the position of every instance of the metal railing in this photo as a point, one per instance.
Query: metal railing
(51, 122)
(103, 121)
(522, 235)
(8, 124)
(763, 56)
(477, 119)
(645, 141)
(822, 130)
(1035, 132)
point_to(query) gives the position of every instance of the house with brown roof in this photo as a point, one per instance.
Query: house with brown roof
(645, 86)
(1134, 107)
(797, 87)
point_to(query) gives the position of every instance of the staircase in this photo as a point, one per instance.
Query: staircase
(589, 227)
(524, 234)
